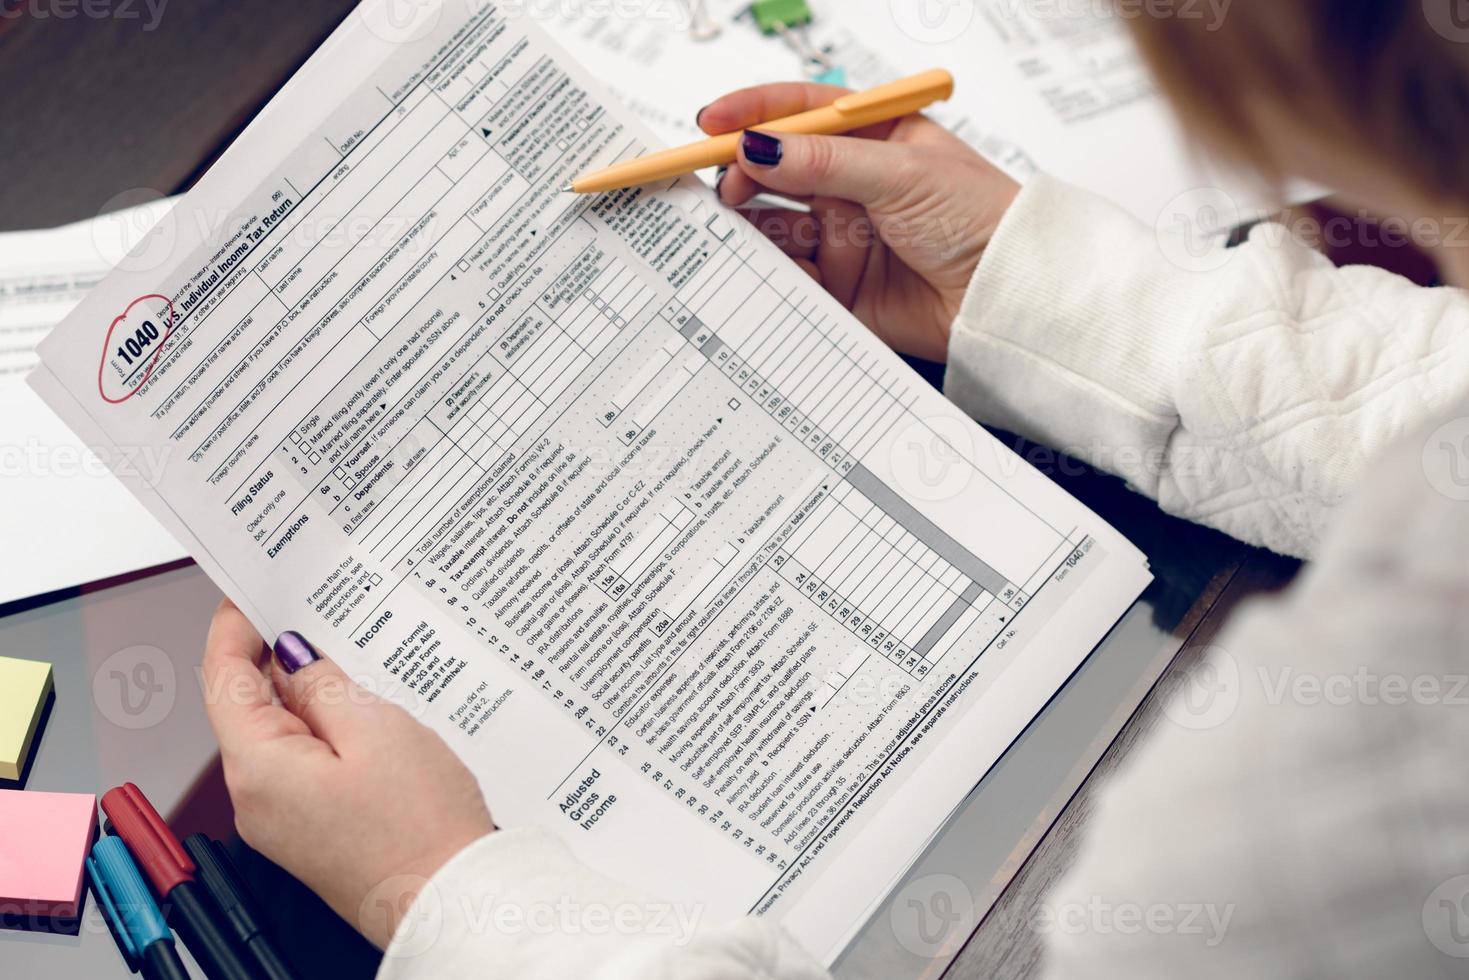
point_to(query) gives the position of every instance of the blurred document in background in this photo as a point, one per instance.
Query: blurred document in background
(66, 520)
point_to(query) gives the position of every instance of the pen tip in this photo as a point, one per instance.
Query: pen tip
(568, 189)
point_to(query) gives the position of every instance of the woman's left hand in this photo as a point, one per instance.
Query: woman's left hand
(344, 790)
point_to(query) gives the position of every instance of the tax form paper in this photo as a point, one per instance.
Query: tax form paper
(685, 564)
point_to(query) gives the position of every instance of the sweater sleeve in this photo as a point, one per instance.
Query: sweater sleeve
(1298, 810)
(517, 904)
(1244, 389)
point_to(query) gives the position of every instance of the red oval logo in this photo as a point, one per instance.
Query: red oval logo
(152, 359)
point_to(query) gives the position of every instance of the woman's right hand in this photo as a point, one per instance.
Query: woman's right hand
(901, 212)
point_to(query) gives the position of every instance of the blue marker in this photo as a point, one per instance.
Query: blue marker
(129, 907)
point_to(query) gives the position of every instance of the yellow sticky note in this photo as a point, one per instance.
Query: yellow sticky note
(24, 687)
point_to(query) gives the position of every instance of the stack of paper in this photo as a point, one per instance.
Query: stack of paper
(685, 564)
(1057, 87)
(66, 520)
(1060, 89)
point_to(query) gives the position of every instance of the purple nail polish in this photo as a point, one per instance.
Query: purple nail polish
(762, 149)
(699, 115)
(293, 651)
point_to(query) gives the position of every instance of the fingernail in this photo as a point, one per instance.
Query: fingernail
(293, 651)
(699, 116)
(719, 176)
(762, 149)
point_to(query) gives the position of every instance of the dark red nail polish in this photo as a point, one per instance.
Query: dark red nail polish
(762, 149)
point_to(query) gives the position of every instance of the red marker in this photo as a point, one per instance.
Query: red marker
(169, 868)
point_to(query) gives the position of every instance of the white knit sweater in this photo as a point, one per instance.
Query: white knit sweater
(1308, 816)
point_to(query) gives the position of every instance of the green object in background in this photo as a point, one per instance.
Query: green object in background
(774, 15)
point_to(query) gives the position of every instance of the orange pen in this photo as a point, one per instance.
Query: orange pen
(852, 111)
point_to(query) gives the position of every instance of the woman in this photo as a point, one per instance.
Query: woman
(1275, 397)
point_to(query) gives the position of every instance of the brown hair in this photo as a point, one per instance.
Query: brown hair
(1390, 76)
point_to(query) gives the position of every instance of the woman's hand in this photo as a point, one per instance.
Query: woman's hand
(900, 212)
(344, 790)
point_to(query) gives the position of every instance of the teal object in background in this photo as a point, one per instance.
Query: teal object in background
(835, 75)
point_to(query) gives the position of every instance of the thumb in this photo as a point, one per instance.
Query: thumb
(872, 173)
(319, 692)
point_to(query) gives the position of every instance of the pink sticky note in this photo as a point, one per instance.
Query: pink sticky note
(44, 838)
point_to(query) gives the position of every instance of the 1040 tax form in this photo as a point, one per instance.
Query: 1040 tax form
(685, 564)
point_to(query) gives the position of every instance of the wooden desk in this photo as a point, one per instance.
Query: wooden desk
(104, 113)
